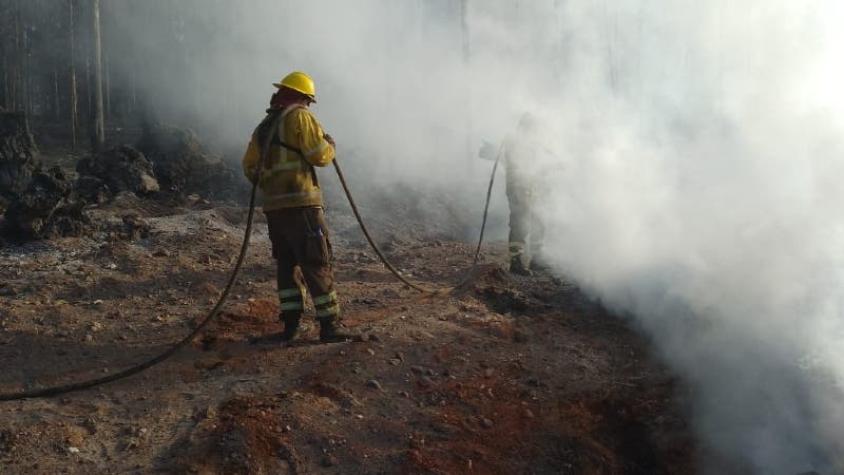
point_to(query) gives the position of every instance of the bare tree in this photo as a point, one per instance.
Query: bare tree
(17, 74)
(5, 27)
(98, 117)
(73, 93)
(465, 37)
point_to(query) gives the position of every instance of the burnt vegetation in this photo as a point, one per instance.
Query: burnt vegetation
(120, 223)
(69, 99)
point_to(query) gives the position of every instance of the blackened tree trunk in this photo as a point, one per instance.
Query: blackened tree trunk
(73, 96)
(26, 69)
(4, 63)
(466, 56)
(107, 84)
(57, 98)
(17, 154)
(464, 29)
(17, 74)
(98, 118)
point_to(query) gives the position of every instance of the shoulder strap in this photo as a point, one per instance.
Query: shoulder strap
(276, 140)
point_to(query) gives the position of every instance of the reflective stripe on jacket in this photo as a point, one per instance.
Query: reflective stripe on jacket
(288, 179)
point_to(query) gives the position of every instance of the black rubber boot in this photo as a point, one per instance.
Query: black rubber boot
(518, 267)
(539, 266)
(329, 333)
(291, 327)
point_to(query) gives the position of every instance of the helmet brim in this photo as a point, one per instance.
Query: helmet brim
(279, 85)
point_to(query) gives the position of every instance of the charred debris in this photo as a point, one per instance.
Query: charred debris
(74, 131)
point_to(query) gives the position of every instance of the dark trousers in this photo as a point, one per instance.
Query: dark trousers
(302, 250)
(527, 231)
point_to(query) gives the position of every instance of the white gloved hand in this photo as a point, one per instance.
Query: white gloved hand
(488, 151)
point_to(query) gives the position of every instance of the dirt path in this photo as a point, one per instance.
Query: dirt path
(509, 375)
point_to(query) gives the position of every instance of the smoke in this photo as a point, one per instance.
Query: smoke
(702, 205)
(693, 182)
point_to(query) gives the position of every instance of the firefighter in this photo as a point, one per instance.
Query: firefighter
(524, 179)
(292, 203)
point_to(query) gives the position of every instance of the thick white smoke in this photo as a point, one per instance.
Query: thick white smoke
(703, 203)
(695, 183)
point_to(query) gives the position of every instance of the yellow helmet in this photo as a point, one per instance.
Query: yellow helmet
(298, 81)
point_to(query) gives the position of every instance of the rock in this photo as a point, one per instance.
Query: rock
(73, 450)
(374, 384)
(528, 414)
(90, 424)
(520, 336)
(120, 169)
(328, 461)
(7, 290)
(135, 227)
(149, 184)
(92, 189)
(183, 166)
(47, 208)
(487, 423)
(346, 399)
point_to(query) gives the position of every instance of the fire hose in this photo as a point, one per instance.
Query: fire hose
(203, 324)
(386, 261)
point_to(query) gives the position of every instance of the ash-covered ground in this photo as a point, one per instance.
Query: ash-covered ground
(505, 375)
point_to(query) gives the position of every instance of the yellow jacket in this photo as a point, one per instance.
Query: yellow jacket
(288, 179)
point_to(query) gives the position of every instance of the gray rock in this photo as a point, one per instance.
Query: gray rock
(47, 208)
(120, 169)
(182, 165)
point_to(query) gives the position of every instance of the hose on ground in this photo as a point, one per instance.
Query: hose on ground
(133, 370)
(386, 261)
(203, 324)
(368, 236)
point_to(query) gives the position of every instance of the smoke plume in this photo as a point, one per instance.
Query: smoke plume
(692, 181)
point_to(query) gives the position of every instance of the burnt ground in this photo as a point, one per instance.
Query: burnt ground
(505, 375)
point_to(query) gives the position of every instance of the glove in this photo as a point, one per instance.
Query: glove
(488, 151)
